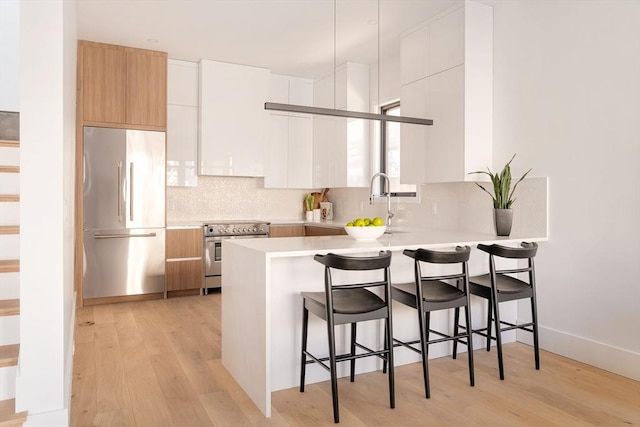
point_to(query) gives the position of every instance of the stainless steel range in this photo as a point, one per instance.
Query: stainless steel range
(215, 233)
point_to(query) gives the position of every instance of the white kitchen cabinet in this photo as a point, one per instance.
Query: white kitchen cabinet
(414, 56)
(290, 153)
(182, 123)
(456, 92)
(300, 152)
(182, 83)
(446, 41)
(234, 126)
(340, 145)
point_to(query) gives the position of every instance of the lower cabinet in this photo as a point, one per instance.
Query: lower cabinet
(301, 230)
(312, 230)
(184, 261)
(286, 230)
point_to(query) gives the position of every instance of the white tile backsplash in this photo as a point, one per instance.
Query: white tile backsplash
(459, 205)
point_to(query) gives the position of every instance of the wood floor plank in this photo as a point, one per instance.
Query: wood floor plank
(157, 363)
(112, 395)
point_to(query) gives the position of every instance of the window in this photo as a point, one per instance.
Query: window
(389, 154)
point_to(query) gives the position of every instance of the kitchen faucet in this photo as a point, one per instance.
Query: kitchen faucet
(387, 194)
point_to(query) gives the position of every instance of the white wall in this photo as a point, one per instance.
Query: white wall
(9, 57)
(47, 112)
(567, 100)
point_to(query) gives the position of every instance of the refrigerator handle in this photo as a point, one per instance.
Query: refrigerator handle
(122, 236)
(119, 192)
(131, 191)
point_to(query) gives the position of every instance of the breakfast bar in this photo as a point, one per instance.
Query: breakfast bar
(262, 312)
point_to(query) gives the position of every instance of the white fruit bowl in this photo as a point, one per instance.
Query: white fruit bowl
(364, 234)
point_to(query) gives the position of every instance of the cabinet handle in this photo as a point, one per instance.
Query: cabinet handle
(131, 187)
(119, 192)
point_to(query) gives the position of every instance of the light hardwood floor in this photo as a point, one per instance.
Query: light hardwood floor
(157, 363)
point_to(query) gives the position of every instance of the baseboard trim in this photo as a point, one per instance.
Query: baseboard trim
(604, 356)
(47, 419)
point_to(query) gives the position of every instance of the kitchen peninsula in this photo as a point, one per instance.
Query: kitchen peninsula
(261, 307)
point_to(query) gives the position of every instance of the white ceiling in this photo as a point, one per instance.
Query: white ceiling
(293, 37)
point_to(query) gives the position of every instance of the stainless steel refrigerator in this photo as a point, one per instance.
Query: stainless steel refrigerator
(124, 212)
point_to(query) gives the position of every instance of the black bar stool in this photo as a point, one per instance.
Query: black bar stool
(499, 286)
(437, 293)
(349, 303)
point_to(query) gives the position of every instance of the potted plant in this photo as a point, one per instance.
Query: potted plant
(502, 197)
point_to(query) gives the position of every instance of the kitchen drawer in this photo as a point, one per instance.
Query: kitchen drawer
(182, 275)
(184, 243)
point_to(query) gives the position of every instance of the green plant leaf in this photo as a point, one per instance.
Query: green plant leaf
(502, 191)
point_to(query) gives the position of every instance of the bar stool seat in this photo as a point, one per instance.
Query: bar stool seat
(348, 301)
(505, 285)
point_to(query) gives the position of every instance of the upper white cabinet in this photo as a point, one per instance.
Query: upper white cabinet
(451, 83)
(341, 145)
(234, 126)
(182, 123)
(290, 156)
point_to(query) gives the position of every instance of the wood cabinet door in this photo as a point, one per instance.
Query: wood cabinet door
(147, 89)
(286, 231)
(311, 230)
(184, 243)
(104, 72)
(182, 275)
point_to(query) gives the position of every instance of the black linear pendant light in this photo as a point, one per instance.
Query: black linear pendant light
(346, 113)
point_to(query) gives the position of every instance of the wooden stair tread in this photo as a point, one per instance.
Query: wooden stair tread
(9, 265)
(8, 416)
(10, 169)
(9, 229)
(9, 307)
(9, 143)
(9, 198)
(9, 355)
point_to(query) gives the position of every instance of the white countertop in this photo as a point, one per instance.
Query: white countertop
(399, 239)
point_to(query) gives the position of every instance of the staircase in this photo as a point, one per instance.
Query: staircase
(9, 279)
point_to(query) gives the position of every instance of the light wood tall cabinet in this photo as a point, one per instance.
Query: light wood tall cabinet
(117, 87)
(184, 260)
(122, 86)
(447, 76)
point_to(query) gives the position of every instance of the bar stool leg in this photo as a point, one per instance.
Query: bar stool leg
(424, 338)
(333, 368)
(386, 345)
(536, 346)
(353, 351)
(303, 358)
(456, 318)
(489, 321)
(498, 337)
(467, 311)
(389, 355)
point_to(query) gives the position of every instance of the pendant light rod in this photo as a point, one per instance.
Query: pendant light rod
(345, 113)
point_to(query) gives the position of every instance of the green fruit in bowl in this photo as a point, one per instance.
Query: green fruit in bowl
(359, 222)
(377, 221)
(350, 224)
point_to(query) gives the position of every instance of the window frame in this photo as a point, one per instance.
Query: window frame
(383, 153)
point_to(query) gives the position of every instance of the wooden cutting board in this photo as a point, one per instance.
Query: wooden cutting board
(317, 198)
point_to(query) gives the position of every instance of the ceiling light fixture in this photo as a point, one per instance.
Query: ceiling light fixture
(346, 113)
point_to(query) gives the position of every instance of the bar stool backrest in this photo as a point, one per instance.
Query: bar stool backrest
(355, 263)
